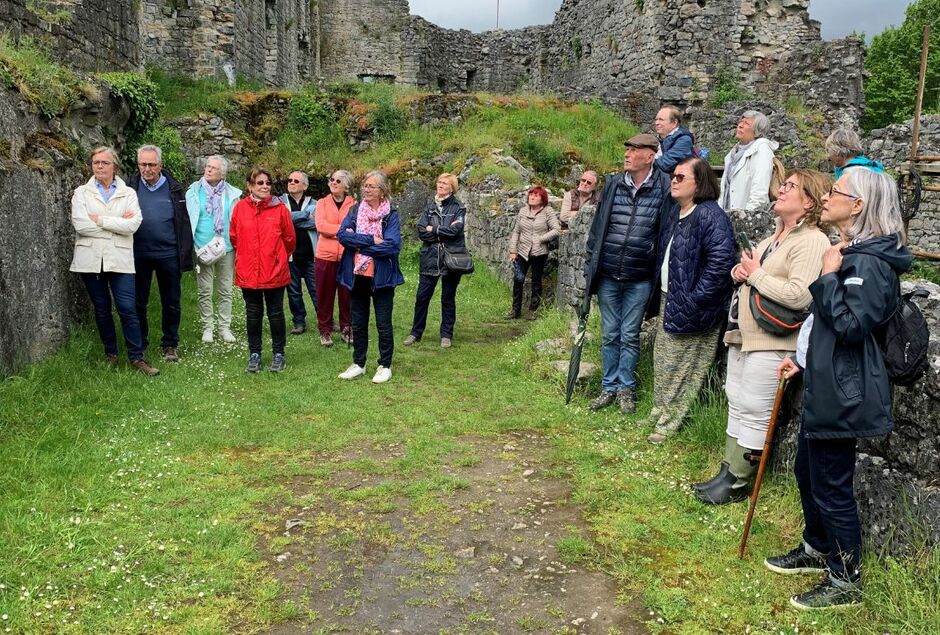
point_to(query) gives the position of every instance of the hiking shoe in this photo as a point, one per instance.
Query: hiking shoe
(656, 438)
(797, 561)
(605, 399)
(445, 342)
(207, 336)
(298, 329)
(408, 341)
(141, 366)
(278, 363)
(627, 401)
(326, 340)
(254, 363)
(347, 337)
(829, 594)
(382, 375)
(170, 354)
(512, 315)
(531, 315)
(227, 336)
(352, 372)
(111, 360)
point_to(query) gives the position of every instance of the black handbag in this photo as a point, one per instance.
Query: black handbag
(457, 260)
(775, 318)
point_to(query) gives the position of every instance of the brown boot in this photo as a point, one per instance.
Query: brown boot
(141, 366)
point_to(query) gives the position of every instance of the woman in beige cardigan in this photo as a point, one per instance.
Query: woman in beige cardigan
(536, 226)
(781, 269)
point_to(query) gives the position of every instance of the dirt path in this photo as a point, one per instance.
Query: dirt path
(489, 545)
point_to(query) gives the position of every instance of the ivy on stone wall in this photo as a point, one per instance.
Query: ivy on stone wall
(141, 95)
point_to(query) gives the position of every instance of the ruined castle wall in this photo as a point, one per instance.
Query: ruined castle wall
(91, 35)
(193, 38)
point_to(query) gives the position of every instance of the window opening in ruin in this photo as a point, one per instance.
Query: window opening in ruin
(441, 83)
(367, 78)
(701, 3)
(270, 14)
(471, 78)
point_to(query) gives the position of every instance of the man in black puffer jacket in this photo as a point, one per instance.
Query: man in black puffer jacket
(620, 266)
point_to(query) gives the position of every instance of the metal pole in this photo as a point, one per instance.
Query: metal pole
(915, 133)
(497, 15)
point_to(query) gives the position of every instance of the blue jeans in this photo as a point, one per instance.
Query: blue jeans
(622, 307)
(825, 474)
(301, 272)
(169, 281)
(101, 286)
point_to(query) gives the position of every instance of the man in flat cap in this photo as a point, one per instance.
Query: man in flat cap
(620, 264)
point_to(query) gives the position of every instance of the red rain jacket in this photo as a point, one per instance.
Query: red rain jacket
(263, 237)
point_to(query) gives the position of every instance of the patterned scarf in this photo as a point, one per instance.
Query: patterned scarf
(369, 222)
(215, 193)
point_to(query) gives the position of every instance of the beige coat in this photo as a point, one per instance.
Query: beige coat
(784, 277)
(107, 245)
(533, 231)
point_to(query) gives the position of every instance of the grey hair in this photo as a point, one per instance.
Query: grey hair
(843, 144)
(303, 177)
(596, 177)
(345, 177)
(222, 161)
(151, 148)
(881, 212)
(381, 180)
(106, 150)
(760, 124)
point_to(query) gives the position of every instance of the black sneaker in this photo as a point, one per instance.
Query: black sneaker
(797, 561)
(278, 363)
(605, 399)
(827, 595)
(254, 363)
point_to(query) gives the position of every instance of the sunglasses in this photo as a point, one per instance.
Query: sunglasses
(262, 183)
(294, 181)
(678, 178)
(332, 180)
(587, 181)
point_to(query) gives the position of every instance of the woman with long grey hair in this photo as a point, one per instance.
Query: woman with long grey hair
(846, 395)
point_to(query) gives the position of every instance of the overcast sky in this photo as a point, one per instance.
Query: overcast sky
(838, 17)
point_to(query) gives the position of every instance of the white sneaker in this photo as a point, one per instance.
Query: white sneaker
(382, 375)
(207, 336)
(227, 336)
(352, 372)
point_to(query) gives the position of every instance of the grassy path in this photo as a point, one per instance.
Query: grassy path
(134, 506)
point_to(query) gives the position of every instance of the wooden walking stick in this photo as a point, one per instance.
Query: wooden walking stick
(768, 441)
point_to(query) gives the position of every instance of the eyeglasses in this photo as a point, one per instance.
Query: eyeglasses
(833, 191)
(292, 181)
(100, 163)
(788, 186)
(262, 183)
(369, 186)
(148, 165)
(678, 178)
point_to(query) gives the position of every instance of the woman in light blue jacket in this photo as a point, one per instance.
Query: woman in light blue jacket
(209, 202)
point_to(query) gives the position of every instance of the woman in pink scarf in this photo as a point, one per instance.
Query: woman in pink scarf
(371, 237)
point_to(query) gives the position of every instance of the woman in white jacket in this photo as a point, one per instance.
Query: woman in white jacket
(105, 214)
(745, 184)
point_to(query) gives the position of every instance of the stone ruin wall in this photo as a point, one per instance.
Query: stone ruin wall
(92, 35)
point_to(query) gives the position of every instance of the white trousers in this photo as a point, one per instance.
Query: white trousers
(220, 274)
(751, 385)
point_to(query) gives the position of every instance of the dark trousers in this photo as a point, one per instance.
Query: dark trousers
(327, 289)
(825, 473)
(535, 299)
(101, 287)
(383, 300)
(301, 272)
(426, 286)
(169, 277)
(255, 302)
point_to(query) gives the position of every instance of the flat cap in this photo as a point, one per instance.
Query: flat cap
(643, 140)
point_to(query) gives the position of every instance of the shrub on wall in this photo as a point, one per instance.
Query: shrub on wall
(26, 66)
(140, 94)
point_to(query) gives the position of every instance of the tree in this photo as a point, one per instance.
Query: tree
(893, 65)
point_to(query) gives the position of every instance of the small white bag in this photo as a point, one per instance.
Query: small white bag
(211, 251)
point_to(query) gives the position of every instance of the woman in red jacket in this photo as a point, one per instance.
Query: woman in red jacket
(262, 234)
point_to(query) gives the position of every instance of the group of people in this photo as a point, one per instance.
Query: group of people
(343, 251)
(660, 242)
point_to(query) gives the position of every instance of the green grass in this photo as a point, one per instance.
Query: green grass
(183, 95)
(134, 505)
(27, 66)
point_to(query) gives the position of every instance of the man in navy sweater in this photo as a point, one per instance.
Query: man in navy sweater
(163, 245)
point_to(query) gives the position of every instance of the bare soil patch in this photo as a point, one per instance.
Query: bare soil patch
(488, 543)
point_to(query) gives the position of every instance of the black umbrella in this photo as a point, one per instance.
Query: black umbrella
(574, 366)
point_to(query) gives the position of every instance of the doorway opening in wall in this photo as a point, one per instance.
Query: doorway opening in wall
(368, 78)
(471, 79)
(442, 84)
